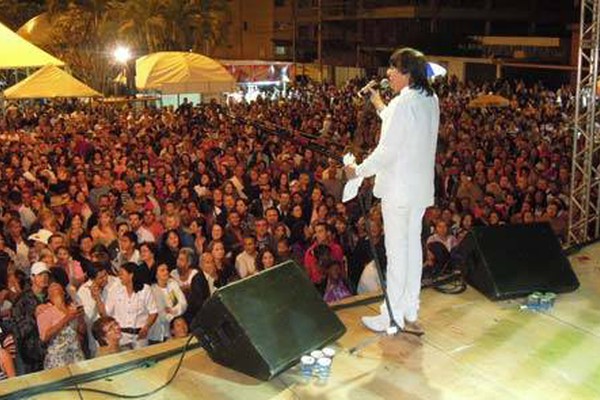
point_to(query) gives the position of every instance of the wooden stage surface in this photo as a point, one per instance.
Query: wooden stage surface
(473, 349)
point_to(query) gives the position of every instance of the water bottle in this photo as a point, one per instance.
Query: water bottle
(328, 352)
(547, 301)
(307, 365)
(323, 370)
(316, 354)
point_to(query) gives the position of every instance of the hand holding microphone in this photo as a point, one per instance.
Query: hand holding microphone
(370, 88)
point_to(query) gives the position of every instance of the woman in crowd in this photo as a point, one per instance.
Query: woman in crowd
(179, 328)
(265, 259)
(132, 305)
(107, 332)
(185, 271)
(61, 327)
(148, 264)
(72, 267)
(103, 232)
(170, 300)
(224, 265)
(169, 250)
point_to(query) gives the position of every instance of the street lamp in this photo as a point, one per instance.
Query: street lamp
(123, 56)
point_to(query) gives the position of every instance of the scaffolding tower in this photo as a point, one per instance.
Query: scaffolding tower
(584, 207)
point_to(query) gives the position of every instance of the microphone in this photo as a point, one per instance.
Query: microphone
(365, 90)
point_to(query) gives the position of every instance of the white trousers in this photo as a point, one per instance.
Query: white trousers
(402, 228)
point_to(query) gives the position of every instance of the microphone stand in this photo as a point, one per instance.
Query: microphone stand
(365, 205)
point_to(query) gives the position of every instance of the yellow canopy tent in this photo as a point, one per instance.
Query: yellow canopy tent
(16, 52)
(489, 100)
(38, 30)
(172, 72)
(49, 82)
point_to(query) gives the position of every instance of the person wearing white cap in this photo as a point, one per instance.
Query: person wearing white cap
(30, 347)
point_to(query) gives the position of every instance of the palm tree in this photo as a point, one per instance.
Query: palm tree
(81, 35)
(143, 23)
(209, 23)
(172, 24)
(179, 31)
(84, 30)
(16, 12)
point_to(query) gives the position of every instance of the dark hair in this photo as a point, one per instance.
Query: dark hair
(15, 197)
(327, 226)
(259, 262)
(54, 236)
(152, 248)
(323, 255)
(22, 278)
(172, 323)
(98, 329)
(154, 271)
(132, 236)
(98, 266)
(134, 269)
(100, 252)
(59, 275)
(4, 261)
(171, 231)
(84, 236)
(413, 62)
(139, 214)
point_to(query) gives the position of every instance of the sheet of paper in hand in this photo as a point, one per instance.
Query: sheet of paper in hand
(352, 186)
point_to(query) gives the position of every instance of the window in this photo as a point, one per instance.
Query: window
(279, 3)
(280, 50)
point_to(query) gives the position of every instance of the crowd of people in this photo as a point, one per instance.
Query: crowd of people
(117, 223)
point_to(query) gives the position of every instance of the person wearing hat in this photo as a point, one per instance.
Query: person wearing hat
(30, 348)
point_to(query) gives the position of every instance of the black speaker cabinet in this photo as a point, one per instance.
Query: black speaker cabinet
(263, 324)
(514, 260)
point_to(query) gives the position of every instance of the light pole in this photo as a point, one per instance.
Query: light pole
(123, 56)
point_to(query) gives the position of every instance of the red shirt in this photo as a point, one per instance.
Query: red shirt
(315, 273)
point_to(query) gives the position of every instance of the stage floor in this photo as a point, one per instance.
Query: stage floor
(473, 349)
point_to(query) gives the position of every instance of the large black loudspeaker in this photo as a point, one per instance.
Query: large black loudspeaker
(514, 260)
(263, 324)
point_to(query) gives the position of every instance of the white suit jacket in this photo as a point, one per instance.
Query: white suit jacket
(404, 160)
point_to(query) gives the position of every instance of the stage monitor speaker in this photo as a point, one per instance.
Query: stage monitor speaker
(263, 324)
(515, 260)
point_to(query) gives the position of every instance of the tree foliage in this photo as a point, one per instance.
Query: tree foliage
(84, 32)
(14, 13)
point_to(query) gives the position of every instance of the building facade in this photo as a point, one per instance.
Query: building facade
(362, 33)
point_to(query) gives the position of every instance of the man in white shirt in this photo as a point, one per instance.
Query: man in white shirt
(245, 262)
(403, 164)
(99, 284)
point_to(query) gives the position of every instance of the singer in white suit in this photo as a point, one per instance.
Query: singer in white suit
(403, 165)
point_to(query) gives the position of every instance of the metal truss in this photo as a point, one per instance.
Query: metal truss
(584, 208)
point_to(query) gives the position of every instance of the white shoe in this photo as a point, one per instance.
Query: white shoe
(378, 323)
(411, 316)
